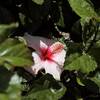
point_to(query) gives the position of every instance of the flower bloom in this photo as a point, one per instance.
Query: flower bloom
(48, 55)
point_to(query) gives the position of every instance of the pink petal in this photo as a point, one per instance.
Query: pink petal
(58, 53)
(37, 42)
(56, 47)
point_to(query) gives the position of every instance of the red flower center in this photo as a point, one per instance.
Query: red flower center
(46, 54)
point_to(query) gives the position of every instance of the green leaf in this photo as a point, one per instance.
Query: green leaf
(79, 81)
(5, 30)
(98, 44)
(15, 53)
(10, 87)
(90, 85)
(83, 63)
(90, 34)
(16, 61)
(95, 52)
(22, 18)
(71, 58)
(96, 79)
(3, 96)
(40, 2)
(61, 19)
(83, 8)
(46, 88)
(47, 94)
(74, 47)
(14, 89)
(5, 76)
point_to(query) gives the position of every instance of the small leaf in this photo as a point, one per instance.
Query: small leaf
(79, 81)
(83, 8)
(96, 79)
(84, 63)
(61, 19)
(40, 2)
(22, 18)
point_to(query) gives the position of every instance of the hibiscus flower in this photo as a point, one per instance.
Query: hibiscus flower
(48, 55)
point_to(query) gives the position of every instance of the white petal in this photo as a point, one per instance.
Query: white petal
(36, 57)
(34, 69)
(37, 64)
(53, 69)
(59, 58)
(36, 42)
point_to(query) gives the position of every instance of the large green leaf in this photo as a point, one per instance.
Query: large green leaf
(45, 88)
(83, 8)
(83, 63)
(15, 53)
